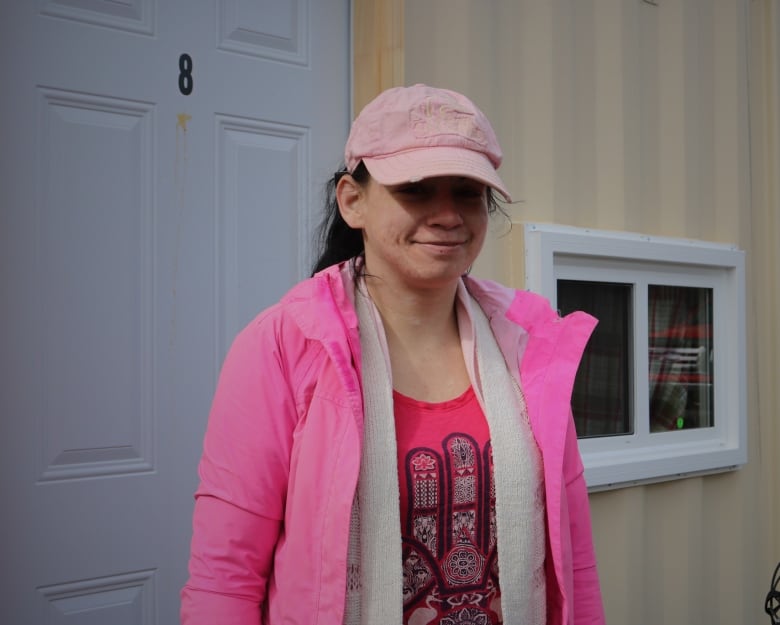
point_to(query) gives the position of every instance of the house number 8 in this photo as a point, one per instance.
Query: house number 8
(185, 74)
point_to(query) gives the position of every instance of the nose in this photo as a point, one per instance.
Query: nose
(445, 211)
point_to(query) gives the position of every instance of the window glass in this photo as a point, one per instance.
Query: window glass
(601, 400)
(680, 357)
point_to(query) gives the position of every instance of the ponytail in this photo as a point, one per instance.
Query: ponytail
(336, 241)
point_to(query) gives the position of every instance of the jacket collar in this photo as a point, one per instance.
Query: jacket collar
(326, 302)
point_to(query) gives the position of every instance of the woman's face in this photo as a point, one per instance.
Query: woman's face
(419, 235)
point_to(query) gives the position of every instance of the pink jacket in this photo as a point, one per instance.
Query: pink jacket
(282, 454)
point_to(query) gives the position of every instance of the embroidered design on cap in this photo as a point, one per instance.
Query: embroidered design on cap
(437, 116)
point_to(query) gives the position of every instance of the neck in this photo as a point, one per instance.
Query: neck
(421, 316)
(423, 341)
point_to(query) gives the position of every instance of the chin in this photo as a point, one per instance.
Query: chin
(440, 279)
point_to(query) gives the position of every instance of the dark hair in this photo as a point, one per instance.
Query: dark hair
(336, 241)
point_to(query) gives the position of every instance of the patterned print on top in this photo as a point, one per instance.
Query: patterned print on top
(449, 532)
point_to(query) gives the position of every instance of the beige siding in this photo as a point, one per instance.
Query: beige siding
(624, 115)
(764, 295)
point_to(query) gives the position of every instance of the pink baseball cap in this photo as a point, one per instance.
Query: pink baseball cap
(406, 134)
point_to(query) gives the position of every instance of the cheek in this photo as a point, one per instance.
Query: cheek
(380, 235)
(479, 226)
(385, 226)
(479, 244)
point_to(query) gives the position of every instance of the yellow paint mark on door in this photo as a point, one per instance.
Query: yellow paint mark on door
(182, 119)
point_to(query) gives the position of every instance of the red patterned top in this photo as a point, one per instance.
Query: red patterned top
(448, 521)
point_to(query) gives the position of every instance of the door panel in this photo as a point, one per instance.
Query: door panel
(244, 148)
(140, 229)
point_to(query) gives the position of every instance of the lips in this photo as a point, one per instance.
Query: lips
(443, 249)
(442, 243)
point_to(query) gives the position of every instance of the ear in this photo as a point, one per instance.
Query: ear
(350, 195)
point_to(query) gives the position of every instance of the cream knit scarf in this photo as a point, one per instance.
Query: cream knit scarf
(374, 586)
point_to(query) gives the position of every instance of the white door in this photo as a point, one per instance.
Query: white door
(161, 163)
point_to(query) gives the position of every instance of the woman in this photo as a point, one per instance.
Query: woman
(392, 442)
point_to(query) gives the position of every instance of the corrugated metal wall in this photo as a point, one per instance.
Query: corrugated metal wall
(655, 117)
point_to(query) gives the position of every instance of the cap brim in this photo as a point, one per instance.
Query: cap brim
(430, 162)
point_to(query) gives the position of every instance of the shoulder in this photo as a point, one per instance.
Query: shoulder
(296, 327)
(312, 307)
(529, 310)
(525, 308)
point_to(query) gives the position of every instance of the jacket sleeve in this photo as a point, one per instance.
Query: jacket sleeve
(587, 606)
(239, 504)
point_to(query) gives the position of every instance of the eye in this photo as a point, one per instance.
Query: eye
(413, 190)
(469, 190)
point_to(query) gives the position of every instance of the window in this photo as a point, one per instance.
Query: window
(660, 392)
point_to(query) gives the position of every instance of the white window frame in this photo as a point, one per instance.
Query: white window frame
(554, 252)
